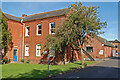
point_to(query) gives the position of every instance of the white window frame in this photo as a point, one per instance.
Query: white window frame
(52, 54)
(27, 31)
(105, 49)
(37, 29)
(26, 54)
(50, 28)
(40, 50)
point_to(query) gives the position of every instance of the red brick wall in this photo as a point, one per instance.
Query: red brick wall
(16, 30)
(97, 46)
(33, 39)
(118, 49)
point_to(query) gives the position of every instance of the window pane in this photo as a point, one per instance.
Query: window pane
(52, 25)
(38, 50)
(52, 52)
(27, 30)
(89, 49)
(39, 27)
(39, 31)
(26, 50)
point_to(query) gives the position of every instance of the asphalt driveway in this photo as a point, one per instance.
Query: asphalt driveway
(106, 69)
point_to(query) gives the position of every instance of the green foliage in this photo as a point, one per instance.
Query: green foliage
(5, 36)
(81, 24)
(7, 60)
(28, 61)
(22, 60)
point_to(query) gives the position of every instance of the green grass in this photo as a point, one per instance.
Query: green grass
(21, 71)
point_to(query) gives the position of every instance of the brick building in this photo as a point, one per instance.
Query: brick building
(29, 33)
(116, 43)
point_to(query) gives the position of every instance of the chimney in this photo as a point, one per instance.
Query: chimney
(24, 15)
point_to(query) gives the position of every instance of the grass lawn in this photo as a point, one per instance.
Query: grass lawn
(21, 71)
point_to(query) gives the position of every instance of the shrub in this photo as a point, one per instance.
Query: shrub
(85, 64)
(28, 61)
(22, 60)
(6, 60)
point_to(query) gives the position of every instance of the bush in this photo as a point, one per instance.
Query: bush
(9, 61)
(28, 61)
(6, 60)
(85, 64)
(22, 60)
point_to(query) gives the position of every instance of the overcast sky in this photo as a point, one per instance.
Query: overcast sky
(108, 11)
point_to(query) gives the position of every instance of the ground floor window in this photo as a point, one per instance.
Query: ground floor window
(52, 52)
(89, 49)
(26, 50)
(38, 50)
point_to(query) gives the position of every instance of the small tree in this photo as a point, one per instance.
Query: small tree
(6, 35)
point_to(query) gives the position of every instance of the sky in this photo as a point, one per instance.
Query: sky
(108, 12)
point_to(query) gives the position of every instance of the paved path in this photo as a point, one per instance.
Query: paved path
(106, 69)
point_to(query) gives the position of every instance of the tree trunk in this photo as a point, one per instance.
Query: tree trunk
(65, 56)
(72, 56)
(5, 51)
(82, 56)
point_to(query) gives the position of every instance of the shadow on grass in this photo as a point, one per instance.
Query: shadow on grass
(33, 75)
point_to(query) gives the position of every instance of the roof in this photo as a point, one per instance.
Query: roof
(46, 14)
(39, 15)
(104, 41)
(12, 17)
(115, 41)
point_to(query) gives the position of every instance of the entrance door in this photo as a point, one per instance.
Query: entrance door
(15, 53)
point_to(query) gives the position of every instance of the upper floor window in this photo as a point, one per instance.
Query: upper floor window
(39, 29)
(38, 50)
(105, 49)
(27, 31)
(116, 46)
(89, 49)
(52, 28)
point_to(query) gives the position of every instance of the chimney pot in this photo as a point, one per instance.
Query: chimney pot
(24, 15)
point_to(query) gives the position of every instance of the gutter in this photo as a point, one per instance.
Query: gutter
(23, 38)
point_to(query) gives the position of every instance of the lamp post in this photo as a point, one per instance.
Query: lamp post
(48, 62)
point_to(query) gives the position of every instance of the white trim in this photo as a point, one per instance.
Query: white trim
(50, 28)
(102, 44)
(40, 50)
(52, 52)
(26, 54)
(37, 30)
(26, 32)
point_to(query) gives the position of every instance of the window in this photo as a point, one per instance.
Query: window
(27, 32)
(52, 28)
(38, 50)
(105, 49)
(39, 29)
(89, 49)
(116, 46)
(52, 52)
(26, 50)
